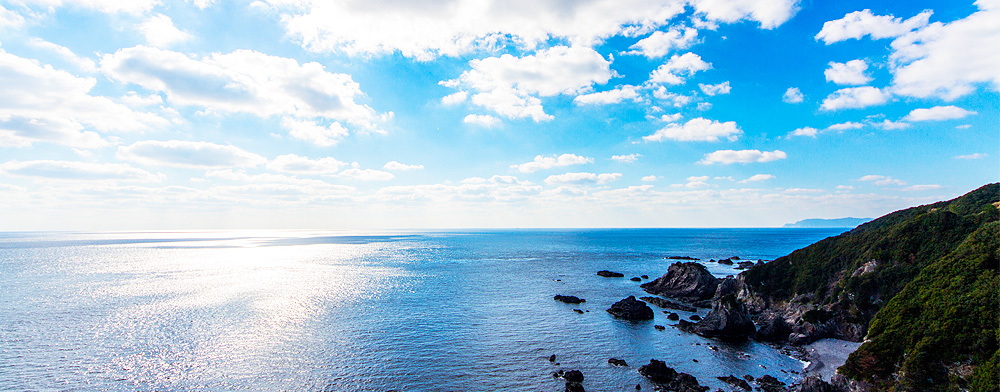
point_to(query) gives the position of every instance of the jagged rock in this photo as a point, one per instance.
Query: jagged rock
(736, 382)
(734, 258)
(645, 276)
(725, 262)
(684, 280)
(631, 309)
(667, 304)
(772, 328)
(609, 274)
(659, 327)
(573, 376)
(569, 299)
(673, 317)
(768, 383)
(574, 387)
(695, 317)
(552, 358)
(815, 383)
(617, 362)
(671, 380)
(578, 311)
(636, 279)
(745, 264)
(727, 319)
(705, 304)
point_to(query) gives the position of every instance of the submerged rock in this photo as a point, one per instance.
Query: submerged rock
(684, 280)
(671, 380)
(569, 299)
(609, 274)
(727, 319)
(636, 279)
(667, 304)
(682, 258)
(631, 309)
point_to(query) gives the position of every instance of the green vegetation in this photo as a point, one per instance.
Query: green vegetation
(922, 282)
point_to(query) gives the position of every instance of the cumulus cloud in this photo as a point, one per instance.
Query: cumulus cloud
(757, 177)
(511, 86)
(188, 154)
(582, 178)
(660, 43)
(291, 163)
(851, 72)
(892, 125)
(608, 97)
(769, 13)
(10, 18)
(697, 182)
(938, 113)
(845, 126)
(674, 99)
(858, 24)
(971, 156)
(366, 174)
(307, 130)
(855, 98)
(396, 166)
(544, 163)
(81, 63)
(131, 7)
(41, 104)
(484, 120)
(159, 31)
(626, 158)
(882, 180)
(649, 178)
(697, 129)
(68, 170)
(243, 81)
(793, 95)
(715, 89)
(455, 98)
(804, 131)
(727, 157)
(679, 66)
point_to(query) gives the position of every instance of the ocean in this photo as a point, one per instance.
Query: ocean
(464, 310)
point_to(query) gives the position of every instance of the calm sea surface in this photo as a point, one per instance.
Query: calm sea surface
(341, 311)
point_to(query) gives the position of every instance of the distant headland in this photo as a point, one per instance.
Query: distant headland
(823, 223)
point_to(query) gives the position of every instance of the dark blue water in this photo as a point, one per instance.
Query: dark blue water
(411, 311)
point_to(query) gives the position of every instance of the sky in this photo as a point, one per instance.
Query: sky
(390, 114)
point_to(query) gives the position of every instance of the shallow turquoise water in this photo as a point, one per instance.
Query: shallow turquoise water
(410, 311)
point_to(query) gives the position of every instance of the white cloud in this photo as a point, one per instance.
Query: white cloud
(366, 174)
(757, 177)
(676, 100)
(649, 178)
(855, 98)
(861, 23)
(81, 63)
(660, 43)
(485, 120)
(188, 154)
(396, 166)
(135, 100)
(971, 156)
(243, 81)
(67, 170)
(544, 163)
(671, 117)
(804, 131)
(608, 97)
(673, 70)
(10, 18)
(291, 163)
(159, 31)
(846, 125)
(844, 187)
(41, 104)
(695, 182)
(770, 13)
(938, 113)
(949, 60)
(626, 158)
(963, 126)
(727, 157)
(882, 180)
(793, 95)
(583, 178)
(892, 125)
(455, 98)
(132, 7)
(919, 188)
(715, 89)
(697, 129)
(323, 136)
(511, 86)
(851, 72)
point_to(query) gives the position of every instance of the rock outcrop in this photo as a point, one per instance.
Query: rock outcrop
(609, 274)
(771, 327)
(617, 362)
(687, 281)
(631, 309)
(569, 299)
(814, 383)
(736, 382)
(669, 379)
(666, 304)
(728, 319)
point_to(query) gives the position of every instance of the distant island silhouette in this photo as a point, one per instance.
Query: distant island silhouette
(839, 222)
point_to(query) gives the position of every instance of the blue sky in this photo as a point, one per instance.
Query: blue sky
(202, 114)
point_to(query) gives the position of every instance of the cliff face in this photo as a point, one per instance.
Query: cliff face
(876, 281)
